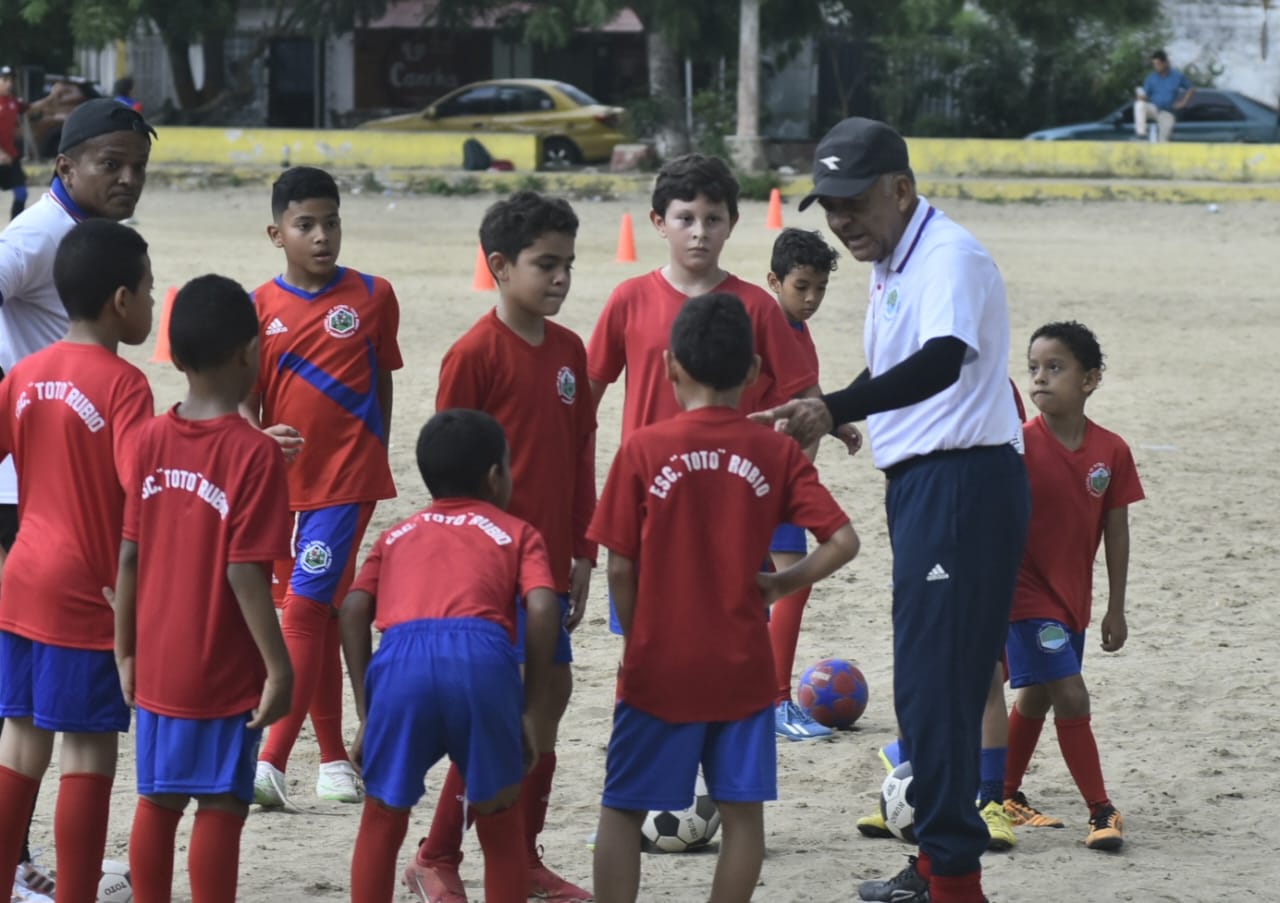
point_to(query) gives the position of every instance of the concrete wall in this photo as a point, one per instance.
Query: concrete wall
(1241, 36)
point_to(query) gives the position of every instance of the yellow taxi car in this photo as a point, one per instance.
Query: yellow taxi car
(574, 127)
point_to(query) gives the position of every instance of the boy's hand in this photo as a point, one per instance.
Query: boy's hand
(356, 752)
(277, 694)
(125, 667)
(849, 435)
(770, 590)
(289, 439)
(579, 584)
(1115, 630)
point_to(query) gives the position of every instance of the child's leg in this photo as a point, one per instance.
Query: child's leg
(784, 628)
(213, 860)
(995, 741)
(500, 828)
(155, 824)
(1026, 719)
(88, 765)
(303, 623)
(741, 852)
(373, 864)
(536, 787)
(326, 704)
(443, 843)
(616, 863)
(1071, 718)
(25, 751)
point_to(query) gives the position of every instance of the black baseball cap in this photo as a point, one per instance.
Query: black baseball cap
(852, 156)
(101, 116)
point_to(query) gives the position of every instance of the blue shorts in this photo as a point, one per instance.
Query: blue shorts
(325, 544)
(564, 644)
(1041, 650)
(653, 764)
(75, 691)
(443, 687)
(789, 538)
(196, 757)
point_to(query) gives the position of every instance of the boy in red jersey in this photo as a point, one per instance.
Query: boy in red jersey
(197, 645)
(328, 349)
(443, 587)
(67, 415)
(1083, 480)
(695, 207)
(526, 372)
(687, 513)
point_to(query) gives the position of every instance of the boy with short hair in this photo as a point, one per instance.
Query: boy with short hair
(329, 347)
(68, 414)
(443, 587)
(1083, 480)
(526, 372)
(197, 644)
(687, 513)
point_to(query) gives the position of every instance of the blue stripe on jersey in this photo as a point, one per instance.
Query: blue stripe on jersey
(311, 296)
(363, 406)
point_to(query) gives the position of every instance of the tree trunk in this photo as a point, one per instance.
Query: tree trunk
(184, 83)
(213, 47)
(664, 89)
(746, 146)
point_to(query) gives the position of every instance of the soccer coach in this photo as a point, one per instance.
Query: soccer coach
(944, 429)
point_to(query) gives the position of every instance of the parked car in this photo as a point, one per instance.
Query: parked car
(1211, 115)
(574, 127)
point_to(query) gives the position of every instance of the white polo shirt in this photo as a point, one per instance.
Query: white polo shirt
(31, 313)
(941, 282)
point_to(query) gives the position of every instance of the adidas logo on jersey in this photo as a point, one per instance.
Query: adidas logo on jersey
(937, 573)
(275, 327)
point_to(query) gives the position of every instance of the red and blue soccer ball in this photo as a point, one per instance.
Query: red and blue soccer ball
(833, 692)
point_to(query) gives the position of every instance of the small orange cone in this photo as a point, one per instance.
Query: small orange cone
(482, 281)
(774, 219)
(626, 241)
(161, 354)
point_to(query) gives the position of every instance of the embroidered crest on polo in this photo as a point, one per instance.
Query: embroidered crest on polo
(832, 163)
(341, 321)
(1099, 479)
(316, 557)
(891, 304)
(566, 385)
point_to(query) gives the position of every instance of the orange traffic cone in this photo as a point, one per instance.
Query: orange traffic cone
(161, 354)
(482, 281)
(774, 219)
(626, 241)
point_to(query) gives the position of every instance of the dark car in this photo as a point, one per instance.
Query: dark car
(1211, 115)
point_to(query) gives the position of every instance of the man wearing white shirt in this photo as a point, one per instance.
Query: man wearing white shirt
(944, 429)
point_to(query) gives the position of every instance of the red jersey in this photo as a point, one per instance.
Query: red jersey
(804, 352)
(540, 396)
(10, 110)
(67, 415)
(694, 501)
(458, 558)
(224, 483)
(321, 355)
(1071, 493)
(635, 328)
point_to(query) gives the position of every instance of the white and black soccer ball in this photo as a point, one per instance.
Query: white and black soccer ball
(683, 831)
(897, 803)
(114, 886)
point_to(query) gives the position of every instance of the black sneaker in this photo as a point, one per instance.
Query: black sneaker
(905, 887)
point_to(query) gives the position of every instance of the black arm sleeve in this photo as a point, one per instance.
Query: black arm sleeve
(924, 374)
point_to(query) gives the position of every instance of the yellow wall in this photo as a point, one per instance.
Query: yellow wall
(336, 148)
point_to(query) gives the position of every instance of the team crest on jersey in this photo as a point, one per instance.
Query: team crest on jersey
(1052, 637)
(891, 304)
(341, 321)
(1099, 479)
(315, 557)
(566, 385)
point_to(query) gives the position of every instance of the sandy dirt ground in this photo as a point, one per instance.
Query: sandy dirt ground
(1184, 302)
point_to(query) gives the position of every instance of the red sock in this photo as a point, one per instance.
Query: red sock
(1080, 751)
(443, 843)
(535, 796)
(17, 794)
(151, 852)
(1024, 734)
(303, 624)
(956, 888)
(784, 634)
(326, 704)
(506, 872)
(80, 834)
(924, 868)
(214, 857)
(373, 864)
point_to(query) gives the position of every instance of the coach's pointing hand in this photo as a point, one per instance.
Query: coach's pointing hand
(805, 419)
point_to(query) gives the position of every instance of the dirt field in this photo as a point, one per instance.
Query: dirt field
(1184, 304)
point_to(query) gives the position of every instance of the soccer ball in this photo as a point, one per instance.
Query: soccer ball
(896, 803)
(114, 886)
(684, 831)
(833, 692)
